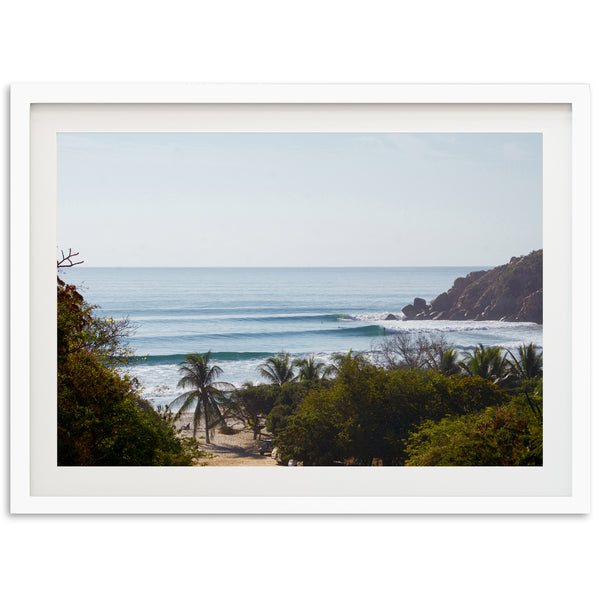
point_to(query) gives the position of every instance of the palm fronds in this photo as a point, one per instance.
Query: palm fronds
(200, 375)
(311, 369)
(278, 369)
(528, 365)
(486, 362)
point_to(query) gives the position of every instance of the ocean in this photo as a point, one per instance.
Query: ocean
(244, 315)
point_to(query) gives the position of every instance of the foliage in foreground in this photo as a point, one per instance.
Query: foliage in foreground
(507, 435)
(250, 405)
(102, 419)
(418, 405)
(421, 406)
(368, 412)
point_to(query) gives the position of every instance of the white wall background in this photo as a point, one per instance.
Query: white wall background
(463, 41)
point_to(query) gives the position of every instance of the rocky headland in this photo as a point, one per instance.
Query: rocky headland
(510, 292)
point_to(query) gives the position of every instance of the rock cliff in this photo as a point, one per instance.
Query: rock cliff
(510, 292)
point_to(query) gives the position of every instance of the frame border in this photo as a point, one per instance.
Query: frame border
(23, 96)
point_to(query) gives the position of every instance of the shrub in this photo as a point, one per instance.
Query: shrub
(368, 412)
(102, 419)
(497, 436)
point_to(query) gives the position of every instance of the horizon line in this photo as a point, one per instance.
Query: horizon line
(278, 266)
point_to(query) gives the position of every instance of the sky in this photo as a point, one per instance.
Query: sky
(299, 199)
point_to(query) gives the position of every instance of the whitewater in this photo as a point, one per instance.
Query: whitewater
(244, 315)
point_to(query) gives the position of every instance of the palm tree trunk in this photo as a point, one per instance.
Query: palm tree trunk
(196, 418)
(205, 401)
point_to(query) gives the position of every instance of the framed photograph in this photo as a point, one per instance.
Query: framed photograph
(385, 285)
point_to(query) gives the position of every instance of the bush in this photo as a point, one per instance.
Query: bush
(102, 419)
(285, 400)
(368, 412)
(497, 436)
(311, 439)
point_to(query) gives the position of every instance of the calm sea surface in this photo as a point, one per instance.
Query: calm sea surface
(243, 315)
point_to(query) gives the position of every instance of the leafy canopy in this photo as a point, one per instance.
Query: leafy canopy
(102, 418)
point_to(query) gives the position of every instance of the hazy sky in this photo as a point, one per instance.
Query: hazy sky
(366, 199)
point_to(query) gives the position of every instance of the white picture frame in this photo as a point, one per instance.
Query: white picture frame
(561, 112)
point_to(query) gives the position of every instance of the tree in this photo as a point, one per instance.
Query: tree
(440, 355)
(528, 364)
(310, 369)
(200, 375)
(79, 330)
(486, 362)
(312, 439)
(404, 350)
(448, 362)
(285, 401)
(67, 261)
(367, 412)
(498, 436)
(102, 420)
(349, 360)
(250, 404)
(278, 369)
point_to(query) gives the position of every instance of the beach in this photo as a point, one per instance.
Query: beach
(238, 449)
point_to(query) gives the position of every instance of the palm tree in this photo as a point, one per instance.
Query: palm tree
(439, 354)
(201, 376)
(448, 362)
(528, 365)
(488, 363)
(350, 359)
(311, 369)
(278, 369)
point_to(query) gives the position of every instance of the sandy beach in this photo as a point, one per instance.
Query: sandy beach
(238, 449)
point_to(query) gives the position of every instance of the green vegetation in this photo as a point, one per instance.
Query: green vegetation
(250, 405)
(200, 375)
(311, 369)
(506, 435)
(415, 404)
(102, 419)
(419, 406)
(278, 369)
(527, 365)
(286, 401)
(486, 362)
(372, 411)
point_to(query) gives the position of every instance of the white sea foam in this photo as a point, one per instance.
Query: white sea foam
(441, 326)
(160, 380)
(244, 315)
(375, 317)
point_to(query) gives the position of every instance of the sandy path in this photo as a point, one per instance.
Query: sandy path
(238, 449)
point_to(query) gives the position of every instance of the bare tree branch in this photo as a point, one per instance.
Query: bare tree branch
(405, 350)
(67, 261)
